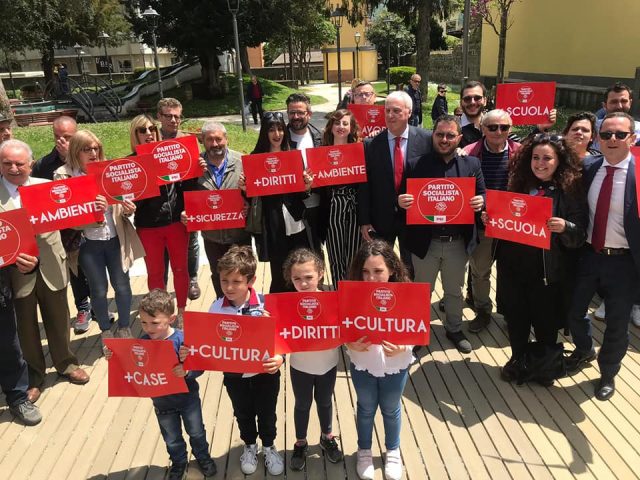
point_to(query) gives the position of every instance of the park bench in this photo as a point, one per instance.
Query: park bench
(42, 118)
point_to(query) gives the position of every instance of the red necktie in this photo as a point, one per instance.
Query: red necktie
(398, 164)
(602, 211)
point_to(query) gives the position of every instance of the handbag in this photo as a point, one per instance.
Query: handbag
(254, 217)
(542, 363)
(72, 239)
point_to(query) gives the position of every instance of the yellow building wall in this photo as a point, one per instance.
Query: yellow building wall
(568, 37)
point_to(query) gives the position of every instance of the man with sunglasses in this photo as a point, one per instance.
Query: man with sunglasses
(610, 261)
(413, 89)
(445, 248)
(170, 116)
(495, 149)
(440, 106)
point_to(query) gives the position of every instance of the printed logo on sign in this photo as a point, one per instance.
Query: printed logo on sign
(60, 193)
(372, 115)
(214, 201)
(229, 330)
(309, 308)
(440, 201)
(334, 157)
(139, 355)
(126, 186)
(10, 242)
(173, 166)
(383, 299)
(174, 160)
(272, 164)
(518, 207)
(525, 94)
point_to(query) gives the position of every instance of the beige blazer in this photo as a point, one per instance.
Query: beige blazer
(53, 258)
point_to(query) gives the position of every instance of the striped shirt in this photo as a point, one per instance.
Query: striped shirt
(495, 168)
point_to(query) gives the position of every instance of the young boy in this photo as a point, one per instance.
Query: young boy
(252, 395)
(157, 314)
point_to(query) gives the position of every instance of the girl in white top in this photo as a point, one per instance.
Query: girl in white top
(378, 372)
(313, 374)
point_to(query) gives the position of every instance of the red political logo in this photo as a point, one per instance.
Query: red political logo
(272, 164)
(60, 193)
(309, 308)
(334, 157)
(446, 198)
(229, 330)
(139, 355)
(525, 94)
(214, 201)
(383, 299)
(373, 114)
(518, 207)
(9, 241)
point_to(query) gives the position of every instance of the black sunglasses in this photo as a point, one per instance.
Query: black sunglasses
(619, 135)
(494, 128)
(468, 98)
(151, 129)
(273, 115)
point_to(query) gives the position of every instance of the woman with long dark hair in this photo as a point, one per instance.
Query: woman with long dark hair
(580, 133)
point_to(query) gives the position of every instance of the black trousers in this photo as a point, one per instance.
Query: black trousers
(306, 387)
(14, 376)
(616, 279)
(255, 398)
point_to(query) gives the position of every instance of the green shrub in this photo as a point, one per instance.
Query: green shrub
(401, 75)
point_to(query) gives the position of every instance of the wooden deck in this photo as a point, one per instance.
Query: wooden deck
(459, 420)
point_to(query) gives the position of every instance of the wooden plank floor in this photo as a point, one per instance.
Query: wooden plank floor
(459, 420)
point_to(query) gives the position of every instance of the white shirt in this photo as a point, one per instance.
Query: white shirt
(464, 120)
(13, 191)
(615, 236)
(377, 363)
(314, 363)
(302, 143)
(391, 138)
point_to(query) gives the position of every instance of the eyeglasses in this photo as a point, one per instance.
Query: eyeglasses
(448, 136)
(619, 135)
(416, 81)
(494, 128)
(442, 91)
(545, 137)
(91, 149)
(168, 116)
(297, 113)
(475, 98)
(364, 94)
(150, 129)
(273, 115)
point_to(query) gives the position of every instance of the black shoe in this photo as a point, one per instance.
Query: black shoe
(416, 349)
(578, 359)
(460, 341)
(177, 471)
(441, 305)
(331, 449)
(482, 321)
(194, 289)
(207, 467)
(605, 389)
(511, 370)
(299, 457)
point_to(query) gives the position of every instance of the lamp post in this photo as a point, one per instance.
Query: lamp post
(104, 37)
(234, 6)
(356, 37)
(337, 17)
(465, 42)
(152, 17)
(388, 21)
(78, 48)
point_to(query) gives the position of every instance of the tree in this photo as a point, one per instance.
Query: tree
(495, 13)
(388, 30)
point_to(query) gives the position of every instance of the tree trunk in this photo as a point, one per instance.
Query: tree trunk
(291, 56)
(502, 44)
(210, 67)
(423, 43)
(244, 61)
(5, 107)
(47, 62)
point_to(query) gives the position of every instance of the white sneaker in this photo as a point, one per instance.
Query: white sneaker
(103, 335)
(393, 465)
(635, 315)
(249, 459)
(599, 313)
(364, 465)
(273, 460)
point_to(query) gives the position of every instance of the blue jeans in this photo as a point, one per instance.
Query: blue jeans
(189, 410)
(372, 392)
(97, 257)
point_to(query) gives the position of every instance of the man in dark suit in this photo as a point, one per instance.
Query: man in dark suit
(610, 262)
(386, 156)
(445, 248)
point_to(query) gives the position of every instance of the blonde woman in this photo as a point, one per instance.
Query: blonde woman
(143, 129)
(111, 246)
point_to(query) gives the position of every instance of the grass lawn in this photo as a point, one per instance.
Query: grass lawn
(274, 99)
(115, 137)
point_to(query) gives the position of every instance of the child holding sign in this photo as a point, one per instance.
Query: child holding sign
(157, 314)
(378, 372)
(313, 374)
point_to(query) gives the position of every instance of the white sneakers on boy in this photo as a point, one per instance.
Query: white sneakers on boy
(635, 315)
(273, 460)
(364, 465)
(249, 459)
(599, 313)
(393, 465)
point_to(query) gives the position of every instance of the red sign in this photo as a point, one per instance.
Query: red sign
(396, 312)
(143, 368)
(519, 218)
(16, 236)
(528, 103)
(337, 165)
(228, 343)
(273, 173)
(176, 159)
(131, 178)
(441, 200)
(214, 209)
(62, 203)
(305, 321)
(370, 118)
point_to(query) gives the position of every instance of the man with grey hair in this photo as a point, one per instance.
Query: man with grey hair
(494, 150)
(386, 156)
(223, 169)
(45, 286)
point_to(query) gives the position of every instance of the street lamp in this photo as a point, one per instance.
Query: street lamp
(234, 6)
(388, 21)
(337, 17)
(357, 39)
(152, 17)
(78, 48)
(104, 37)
